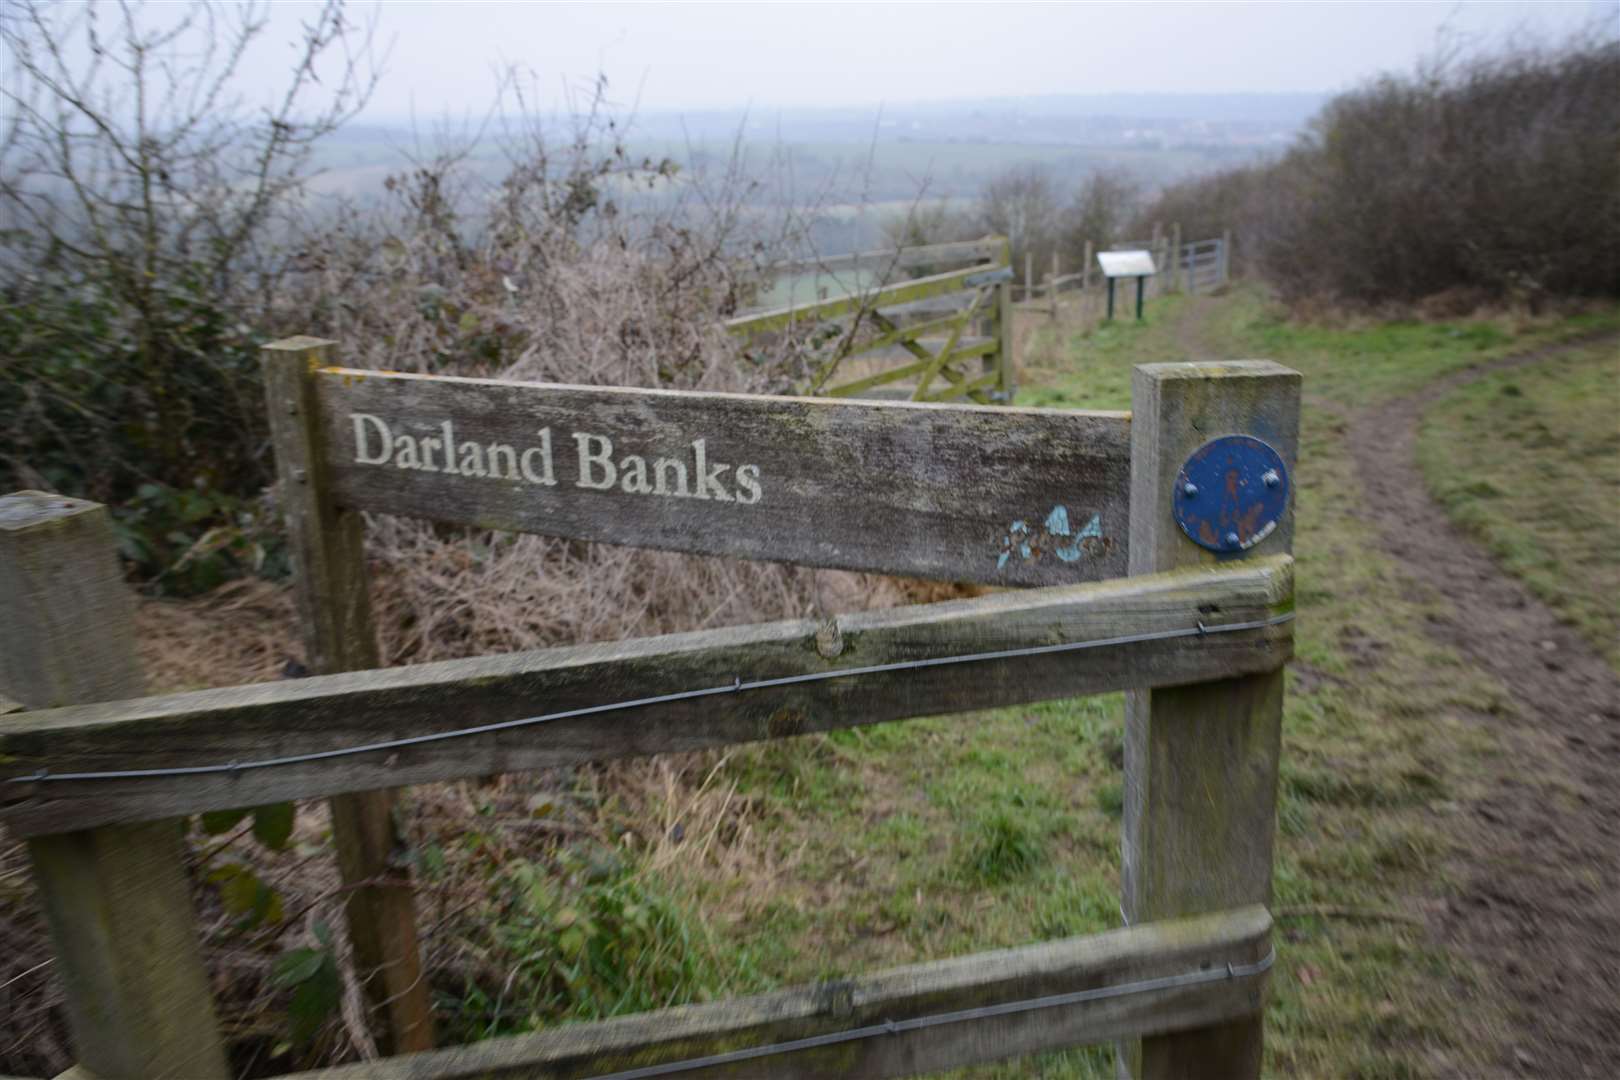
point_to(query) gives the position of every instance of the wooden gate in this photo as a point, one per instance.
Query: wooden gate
(1062, 504)
(899, 338)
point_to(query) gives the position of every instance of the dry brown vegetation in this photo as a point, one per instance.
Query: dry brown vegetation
(1482, 177)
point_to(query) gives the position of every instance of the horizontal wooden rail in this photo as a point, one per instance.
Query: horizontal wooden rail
(987, 250)
(332, 712)
(961, 389)
(946, 304)
(904, 334)
(1117, 958)
(890, 295)
(924, 490)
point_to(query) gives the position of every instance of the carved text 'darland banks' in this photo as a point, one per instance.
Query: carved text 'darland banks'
(594, 467)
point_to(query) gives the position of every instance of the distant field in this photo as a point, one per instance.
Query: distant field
(852, 172)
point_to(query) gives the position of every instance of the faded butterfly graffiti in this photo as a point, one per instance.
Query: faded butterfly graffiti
(1056, 536)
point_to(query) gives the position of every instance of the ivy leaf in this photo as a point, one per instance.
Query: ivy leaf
(296, 967)
(219, 821)
(272, 825)
(238, 888)
(245, 896)
(316, 1000)
(266, 906)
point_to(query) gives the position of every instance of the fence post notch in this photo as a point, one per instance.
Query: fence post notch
(1200, 760)
(116, 897)
(334, 607)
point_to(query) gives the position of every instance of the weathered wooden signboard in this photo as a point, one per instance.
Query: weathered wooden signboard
(984, 494)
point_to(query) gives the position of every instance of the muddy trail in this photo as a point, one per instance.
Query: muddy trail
(1536, 903)
(1538, 900)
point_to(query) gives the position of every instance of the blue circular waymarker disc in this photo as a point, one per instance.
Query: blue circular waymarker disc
(1231, 493)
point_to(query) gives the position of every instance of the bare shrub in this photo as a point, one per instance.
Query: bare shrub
(138, 185)
(578, 263)
(1041, 218)
(1497, 173)
(1023, 203)
(1104, 209)
(1204, 206)
(931, 221)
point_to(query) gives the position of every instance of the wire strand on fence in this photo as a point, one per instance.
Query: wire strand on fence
(983, 1012)
(737, 685)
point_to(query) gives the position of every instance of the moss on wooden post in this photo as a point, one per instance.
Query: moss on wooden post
(1201, 760)
(116, 897)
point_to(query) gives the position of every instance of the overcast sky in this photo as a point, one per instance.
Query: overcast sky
(700, 55)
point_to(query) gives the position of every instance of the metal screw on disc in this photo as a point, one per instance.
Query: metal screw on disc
(1271, 478)
(1190, 490)
(1232, 539)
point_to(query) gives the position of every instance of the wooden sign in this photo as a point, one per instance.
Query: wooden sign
(963, 493)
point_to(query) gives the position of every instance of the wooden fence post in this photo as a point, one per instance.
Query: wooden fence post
(1200, 760)
(117, 898)
(1085, 283)
(334, 607)
(1226, 255)
(1157, 248)
(1052, 286)
(1178, 274)
(1007, 369)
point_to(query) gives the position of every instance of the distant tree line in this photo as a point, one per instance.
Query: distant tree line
(1030, 205)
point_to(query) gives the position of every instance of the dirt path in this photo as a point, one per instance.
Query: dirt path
(1191, 329)
(1538, 898)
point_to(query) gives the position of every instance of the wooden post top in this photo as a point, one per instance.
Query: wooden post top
(26, 509)
(1215, 369)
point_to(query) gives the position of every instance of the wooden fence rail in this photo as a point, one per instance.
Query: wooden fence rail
(1049, 499)
(888, 260)
(910, 1020)
(244, 725)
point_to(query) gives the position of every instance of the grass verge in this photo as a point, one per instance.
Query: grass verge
(1528, 461)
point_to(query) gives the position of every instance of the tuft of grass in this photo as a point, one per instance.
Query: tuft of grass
(1007, 848)
(1111, 799)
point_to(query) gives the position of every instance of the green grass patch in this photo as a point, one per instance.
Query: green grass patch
(584, 938)
(1528, 461)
